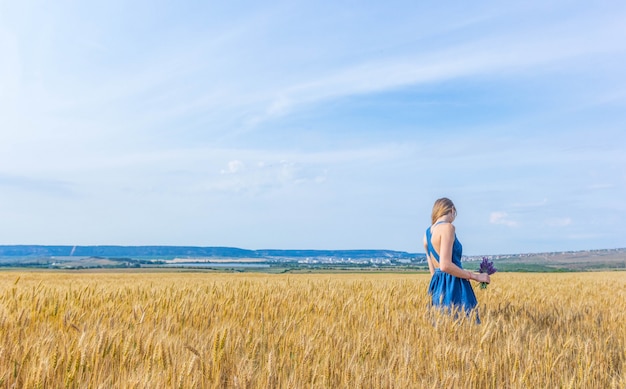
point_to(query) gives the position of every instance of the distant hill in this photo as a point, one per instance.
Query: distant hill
(609, 259)
(165, 252)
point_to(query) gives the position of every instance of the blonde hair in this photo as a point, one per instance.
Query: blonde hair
(442, 206)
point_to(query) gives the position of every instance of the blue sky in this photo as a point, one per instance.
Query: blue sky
(319, 125)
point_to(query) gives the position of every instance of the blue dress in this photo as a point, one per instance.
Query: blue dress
(447, 290)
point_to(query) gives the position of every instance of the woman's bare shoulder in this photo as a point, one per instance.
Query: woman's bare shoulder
(446, 228)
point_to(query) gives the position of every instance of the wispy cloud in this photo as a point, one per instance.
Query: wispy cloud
(510, 53)
(36, 185)
(262, 176)
(502, 218)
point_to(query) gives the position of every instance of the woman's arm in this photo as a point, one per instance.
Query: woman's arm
(445, 257)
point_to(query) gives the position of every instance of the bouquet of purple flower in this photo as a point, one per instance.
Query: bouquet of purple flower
(486, 266)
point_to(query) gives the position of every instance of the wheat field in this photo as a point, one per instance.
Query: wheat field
(214, 330)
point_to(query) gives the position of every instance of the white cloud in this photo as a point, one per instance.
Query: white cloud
(263, 175)
(234, 167)
(501, 218)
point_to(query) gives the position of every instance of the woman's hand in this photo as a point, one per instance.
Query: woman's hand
(482, 277)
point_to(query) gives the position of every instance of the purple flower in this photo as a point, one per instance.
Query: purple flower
(486, 266)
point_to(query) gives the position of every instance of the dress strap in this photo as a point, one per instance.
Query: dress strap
(431, 249)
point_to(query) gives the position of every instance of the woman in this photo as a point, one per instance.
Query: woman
(449, 285)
